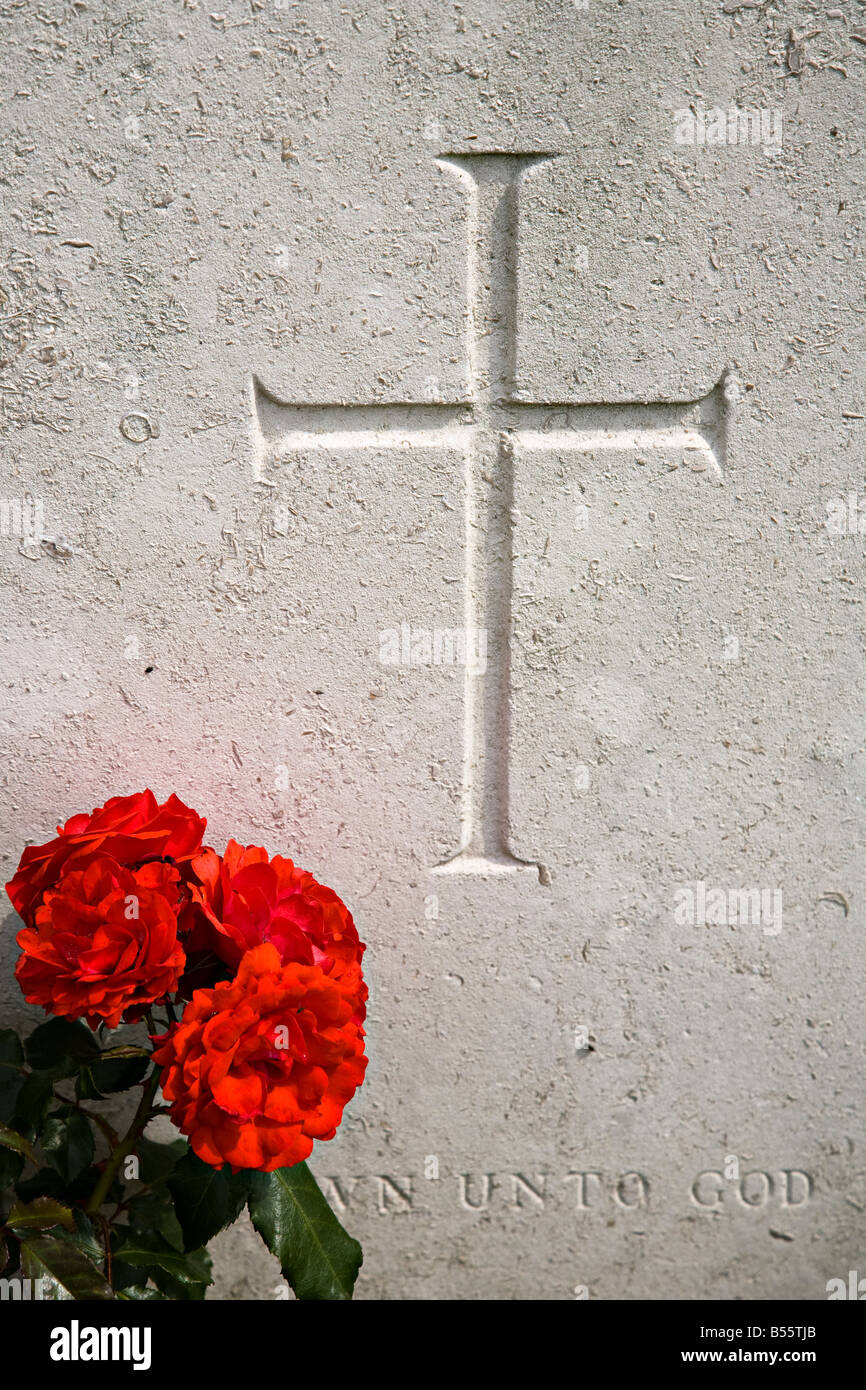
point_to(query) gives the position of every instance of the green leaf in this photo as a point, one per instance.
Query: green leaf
(180, 1275)
(11, 1139)
(47, 1182)
(60, 1046)
(85, 1086)
(83, 1236)
(11, 1167)
(67, 1141)
(187, 1290)
(318, 1258)
(107, 1074)
(40, 1215)
(71, 1273)
(43, 1183)
(11, 1050)
(123, 1050)
(11, 1071)
(124, 1276)
(153, 1211)
(32, 1104)
(141, 1291)
(156, 1161)
(11, 1261)
(206, 1199)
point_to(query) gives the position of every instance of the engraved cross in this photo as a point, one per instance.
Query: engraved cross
(485, 429)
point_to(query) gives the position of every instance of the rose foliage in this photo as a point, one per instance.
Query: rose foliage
(227, 991)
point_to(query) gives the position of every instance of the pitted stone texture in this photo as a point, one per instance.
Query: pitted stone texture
(197, 200)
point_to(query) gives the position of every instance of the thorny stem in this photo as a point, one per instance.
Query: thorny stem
(126, 1145)
(123, 1206)
(140, 1119)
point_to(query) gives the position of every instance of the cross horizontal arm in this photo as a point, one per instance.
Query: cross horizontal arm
(576, 418)
(341, 425)
(696, 424)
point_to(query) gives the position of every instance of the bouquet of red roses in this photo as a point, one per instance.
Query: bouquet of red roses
(257, 970)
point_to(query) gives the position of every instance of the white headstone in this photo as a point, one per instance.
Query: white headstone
(431, 445)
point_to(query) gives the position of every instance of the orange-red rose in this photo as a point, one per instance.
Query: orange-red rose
(129, 828)
(243, 898)
(125, 907)
(103, 943)
(262, 1065)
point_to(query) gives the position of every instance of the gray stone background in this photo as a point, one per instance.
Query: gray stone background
(193, 198)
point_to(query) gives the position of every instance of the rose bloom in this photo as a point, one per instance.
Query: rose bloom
(244, 898)
(104, 942)
(262, 1065)
(128, 828)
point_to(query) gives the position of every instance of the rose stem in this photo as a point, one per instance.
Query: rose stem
(127, 1143)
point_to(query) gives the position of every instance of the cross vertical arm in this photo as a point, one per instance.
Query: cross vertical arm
(492, 182)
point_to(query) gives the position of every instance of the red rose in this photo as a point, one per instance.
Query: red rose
(104, 942)
(243, 898)
(129, 828)
(262, 1065)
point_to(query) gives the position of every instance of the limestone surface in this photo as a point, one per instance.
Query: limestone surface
(431, 443)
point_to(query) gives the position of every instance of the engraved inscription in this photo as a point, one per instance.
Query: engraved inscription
(588, 1190)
